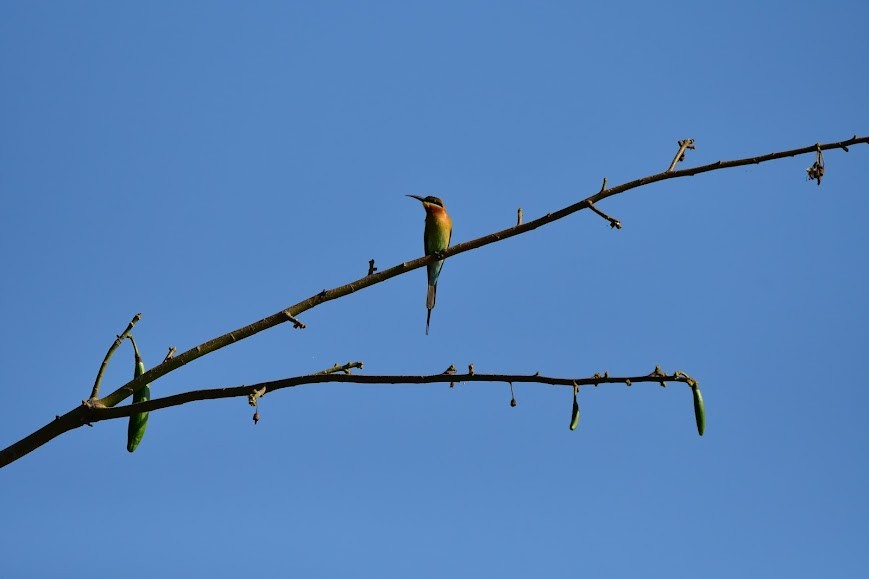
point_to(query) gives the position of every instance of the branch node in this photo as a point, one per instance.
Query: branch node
(371, 268)
(256, 394)
(471, 369)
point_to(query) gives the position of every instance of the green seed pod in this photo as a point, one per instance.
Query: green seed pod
(138, 422)
(699, 410)
(574, 415)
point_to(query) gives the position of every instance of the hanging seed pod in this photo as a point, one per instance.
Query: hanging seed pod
(699, 410)
(138, 422)
(574, 415)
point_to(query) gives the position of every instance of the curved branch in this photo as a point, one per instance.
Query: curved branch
(115, 345)
(96, 414)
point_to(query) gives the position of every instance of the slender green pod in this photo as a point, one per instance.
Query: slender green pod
(574, 415)
(138, 422)
(699, 410)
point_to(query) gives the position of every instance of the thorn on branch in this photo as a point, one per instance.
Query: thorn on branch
(680, 155)
(371, 268)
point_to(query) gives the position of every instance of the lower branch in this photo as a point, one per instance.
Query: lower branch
(87, 413)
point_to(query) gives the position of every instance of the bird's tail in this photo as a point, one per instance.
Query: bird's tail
(430, 303)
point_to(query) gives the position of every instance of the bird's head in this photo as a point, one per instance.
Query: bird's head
(429, 201)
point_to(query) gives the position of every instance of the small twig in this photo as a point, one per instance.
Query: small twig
(170, 353)
(519, 217)
(95, 392)
(680, 156)
(345, 368)
(296, 323)
(614, 223)
(371, 268)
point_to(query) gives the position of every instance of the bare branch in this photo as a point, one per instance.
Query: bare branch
(115, 345)
(255, 391)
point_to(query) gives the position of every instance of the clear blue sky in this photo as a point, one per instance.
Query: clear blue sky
(209, 163)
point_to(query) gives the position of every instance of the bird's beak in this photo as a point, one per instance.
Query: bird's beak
(418, 198)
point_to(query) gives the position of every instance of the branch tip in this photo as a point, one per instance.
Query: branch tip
(680, 155)
(296, 323)
(614, 223)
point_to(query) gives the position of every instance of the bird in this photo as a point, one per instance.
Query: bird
(436, 238)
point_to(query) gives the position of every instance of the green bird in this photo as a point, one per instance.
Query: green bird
(438, 230)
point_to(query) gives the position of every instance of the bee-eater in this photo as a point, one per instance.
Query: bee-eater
(438, 230)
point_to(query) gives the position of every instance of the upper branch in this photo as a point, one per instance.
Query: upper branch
(378, 277)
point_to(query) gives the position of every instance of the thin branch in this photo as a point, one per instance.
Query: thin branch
(96, 414)
(79, 415)
(614, 223)
(95, 392)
